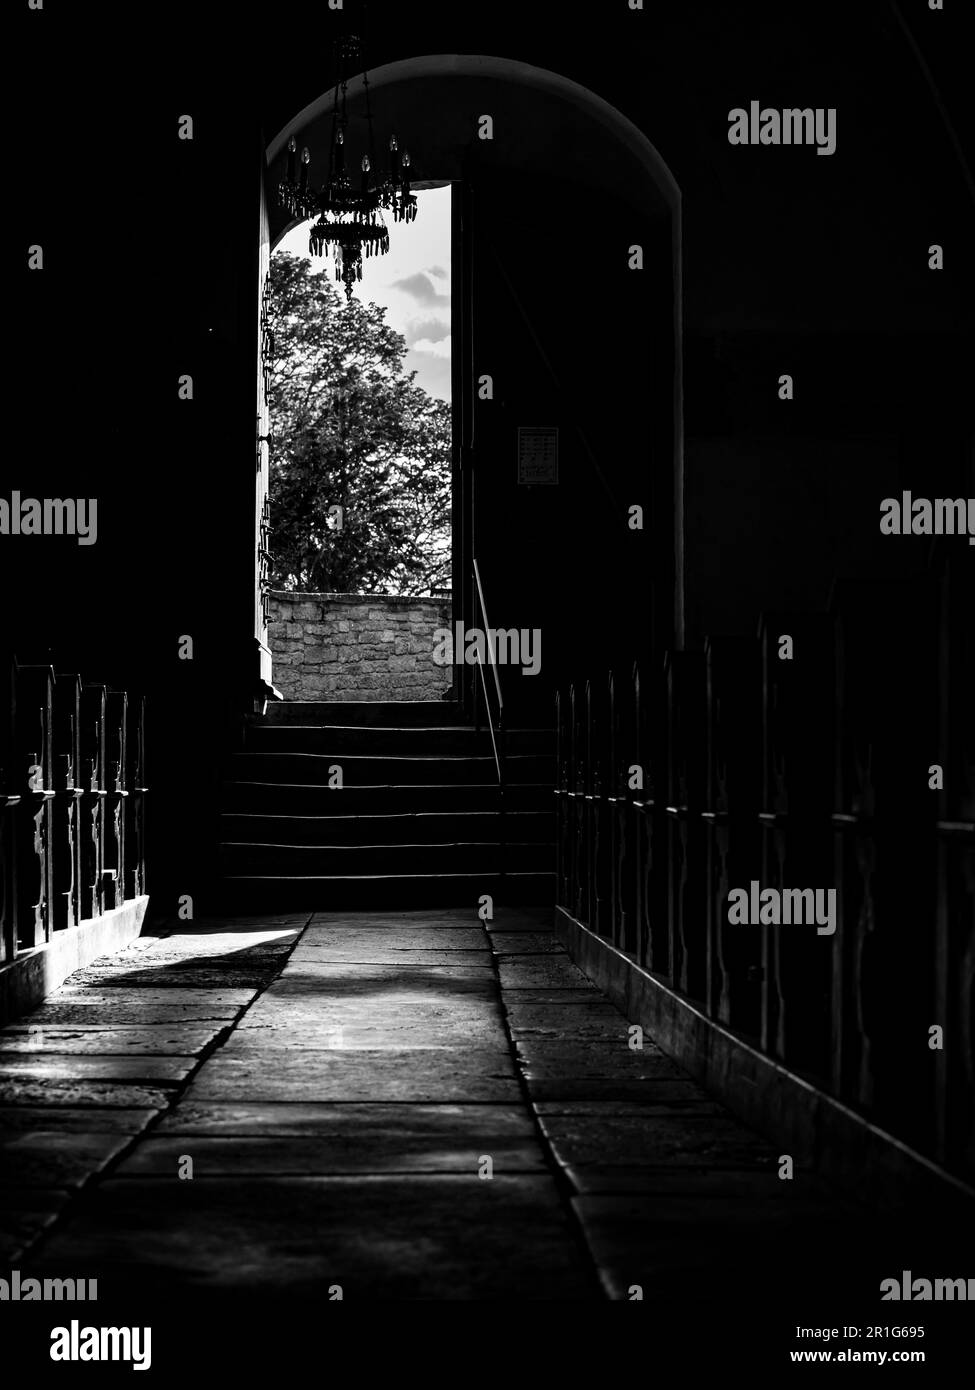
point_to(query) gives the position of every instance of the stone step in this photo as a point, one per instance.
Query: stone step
(424, 860)
(387, 713)
(266, 893)
(311, 799)
(424, 827)
(386, 769)
(376, 740)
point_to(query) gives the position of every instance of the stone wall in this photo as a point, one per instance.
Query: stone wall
(356, 647)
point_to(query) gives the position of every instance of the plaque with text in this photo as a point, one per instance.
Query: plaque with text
(538, 455)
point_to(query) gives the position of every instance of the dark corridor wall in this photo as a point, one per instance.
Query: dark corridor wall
(574, 339)
(814, 266)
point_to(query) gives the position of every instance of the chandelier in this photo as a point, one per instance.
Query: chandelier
(350, 221)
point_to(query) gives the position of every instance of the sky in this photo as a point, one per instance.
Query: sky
(412, 283)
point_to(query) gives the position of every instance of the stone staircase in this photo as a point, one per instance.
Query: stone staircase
(416, 822)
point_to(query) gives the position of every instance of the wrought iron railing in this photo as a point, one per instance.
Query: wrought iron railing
(72, 802)
(807, 764)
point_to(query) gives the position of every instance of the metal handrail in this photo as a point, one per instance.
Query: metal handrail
(494, 664)
(497, 736)
(490, 724)
(498, 751)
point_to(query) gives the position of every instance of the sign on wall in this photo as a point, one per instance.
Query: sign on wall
(538, 454)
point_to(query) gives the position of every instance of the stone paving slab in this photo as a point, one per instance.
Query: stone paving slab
(685, 1247)
(70, 1067)
(227, 945)
(529, 919)
(24, 1213)
(544, 972)
(427, 1075)
(612, 1058)
(154, 967)
(22, 1119)
(79, 1008)
(557, 1071)
(433, 919)
(407, 1012)
(433, 1026)
(337, 979)
(510, 943)
(161, 1039)
(698, 1103)
(418, 1124)
(283, 1158)
(609, 1139)
(387, 938)
(389, 955)
(193, 975)
(176, 953)
(406, 1006)
(249, 922)
(600, 1088)
(341, 1139)
(47, 1158)
(577, 996)
(168, 996)
(448, 1237)
(573, 1022)
(39, 1091)
(759, 1184)
(224, 938)
(228, 936)
(391, 1037)
(646, 1109)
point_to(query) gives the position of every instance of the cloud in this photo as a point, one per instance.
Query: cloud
(438, 271)
(433, 328)
(421, 288)
(433, 349)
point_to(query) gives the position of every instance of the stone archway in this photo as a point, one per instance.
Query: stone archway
(554, 112)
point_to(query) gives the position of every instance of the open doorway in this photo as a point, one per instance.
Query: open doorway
(517, 375)
(360, 465)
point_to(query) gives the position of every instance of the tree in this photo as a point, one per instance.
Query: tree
(360, 455)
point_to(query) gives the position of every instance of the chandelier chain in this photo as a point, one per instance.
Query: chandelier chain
(350, 220)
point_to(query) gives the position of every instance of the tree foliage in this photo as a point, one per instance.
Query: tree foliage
(351, 430)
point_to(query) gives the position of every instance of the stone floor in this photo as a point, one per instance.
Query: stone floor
(400, 1106)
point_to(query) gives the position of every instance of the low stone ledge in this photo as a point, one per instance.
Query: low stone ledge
(25, 981)
(357, 646)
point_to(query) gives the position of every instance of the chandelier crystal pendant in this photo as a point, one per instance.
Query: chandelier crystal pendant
(350, 221)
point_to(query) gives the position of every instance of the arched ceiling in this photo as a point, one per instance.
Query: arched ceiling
(543, 123)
